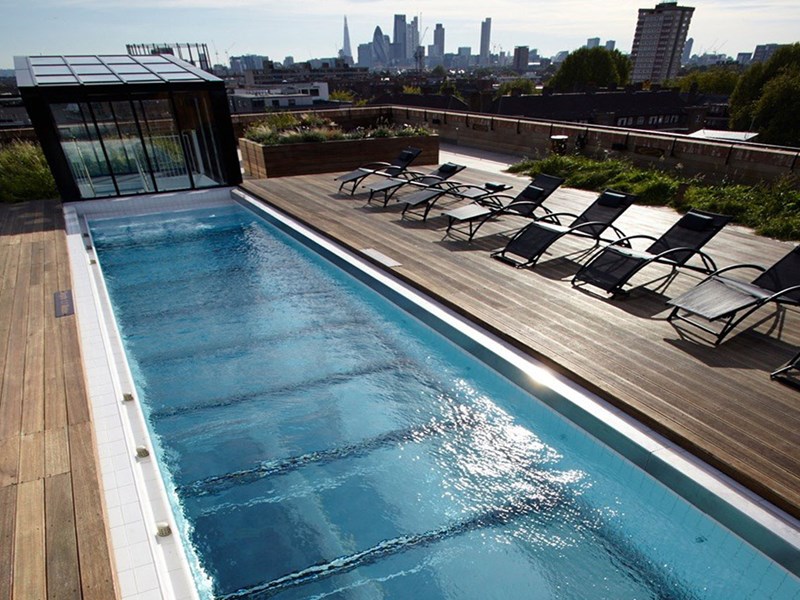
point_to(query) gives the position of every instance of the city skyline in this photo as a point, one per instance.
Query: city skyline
(275, 30)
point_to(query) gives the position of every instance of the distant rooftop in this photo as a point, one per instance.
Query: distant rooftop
(33, 71)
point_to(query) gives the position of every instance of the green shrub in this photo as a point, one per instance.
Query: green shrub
(772, 210)
(276, 129)
(24, 174)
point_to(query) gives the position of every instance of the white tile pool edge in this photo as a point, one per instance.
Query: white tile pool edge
(120, 427)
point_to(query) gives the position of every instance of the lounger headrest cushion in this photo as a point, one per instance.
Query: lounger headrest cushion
(448, 168)
(611, 199)
(696, 222)
(494, 187)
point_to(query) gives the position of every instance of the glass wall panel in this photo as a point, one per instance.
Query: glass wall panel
(83, 150)
(198, 136)
(162, 142)
(123, 147)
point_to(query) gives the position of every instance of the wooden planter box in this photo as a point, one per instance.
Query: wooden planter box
(329, 157)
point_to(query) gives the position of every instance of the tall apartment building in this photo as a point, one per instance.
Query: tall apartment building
(658, 42)
(486, 34)
(593, 42)
(521, 57)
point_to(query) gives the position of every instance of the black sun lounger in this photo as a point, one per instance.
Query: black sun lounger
(492, 206)
(384, 169)
(614, 265)
(390, 186)
(729, 301)
(782, 373)
(530, 242)
(424, 200)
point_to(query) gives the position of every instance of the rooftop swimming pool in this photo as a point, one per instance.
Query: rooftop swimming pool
(318, 441)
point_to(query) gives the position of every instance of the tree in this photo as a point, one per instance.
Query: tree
(775, 114)
(517, 86)
(412, 89)
(342, 96)
(716, 80)
(439, 71)
(591, 67)
(765, 100)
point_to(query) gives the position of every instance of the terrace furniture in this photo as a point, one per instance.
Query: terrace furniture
(384, 169)
(390, 186)
(614, 265)
(425, 199)
(729, 301)
(529, 243)
(780, 374)
(493, 205)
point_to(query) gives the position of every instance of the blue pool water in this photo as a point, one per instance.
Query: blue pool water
(319, 442)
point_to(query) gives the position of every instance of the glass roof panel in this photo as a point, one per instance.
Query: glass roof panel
(52, 79)
(185, 76)
(168, 68)
(118, 60)
(47, 60)
(91, 69)
(62, 70)
(100, 79)
(140, 77)
(151, 59)
(129, 69)
(82, 60)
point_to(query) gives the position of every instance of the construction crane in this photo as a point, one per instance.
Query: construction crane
(419, 52)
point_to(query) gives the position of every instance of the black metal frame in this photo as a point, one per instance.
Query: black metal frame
(39, 98)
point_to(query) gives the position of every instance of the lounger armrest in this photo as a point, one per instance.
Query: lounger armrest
(515, 205)
(554, 217)
(784, 291)
(494, 200)
(626, 241)
(739, 266)
(375, 166)
(708, 262)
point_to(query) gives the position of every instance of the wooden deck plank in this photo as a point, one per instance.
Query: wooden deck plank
(717, 402)
(33, 380)
(30, 579)
(62, 546)
(56, 451)
(8, 510)
(97, 580)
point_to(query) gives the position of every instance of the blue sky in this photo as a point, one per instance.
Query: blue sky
(311, 28)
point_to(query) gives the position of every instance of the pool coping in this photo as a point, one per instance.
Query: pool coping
(755, 520)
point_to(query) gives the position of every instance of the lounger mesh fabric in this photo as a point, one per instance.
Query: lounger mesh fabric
(614, 265)
(535, 238)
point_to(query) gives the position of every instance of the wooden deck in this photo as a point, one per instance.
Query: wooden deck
(53, 537)
(719, 403)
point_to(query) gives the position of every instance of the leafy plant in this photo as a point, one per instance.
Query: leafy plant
(316, 128)
(24, 173)
(771, 209)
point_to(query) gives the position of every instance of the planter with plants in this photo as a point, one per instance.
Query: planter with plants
(285, 144)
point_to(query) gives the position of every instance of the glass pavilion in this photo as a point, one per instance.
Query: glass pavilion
(123, 125)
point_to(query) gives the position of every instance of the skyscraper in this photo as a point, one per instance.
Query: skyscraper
(438, 39)
(659, 40)
(412, 38)
(380, 49)
(593, 42)
(486, 34)
(686, 55)
(399, 39)
(611, 45)
(346, 51)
